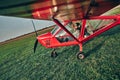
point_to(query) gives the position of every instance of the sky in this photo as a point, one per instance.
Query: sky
(11, 27)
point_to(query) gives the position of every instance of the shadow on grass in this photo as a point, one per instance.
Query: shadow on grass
(112, 31)
(97, 47)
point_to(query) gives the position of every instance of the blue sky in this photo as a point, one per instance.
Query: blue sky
(11, 27)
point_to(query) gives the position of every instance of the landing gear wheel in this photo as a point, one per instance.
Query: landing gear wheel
(54, 54)
(80, 55)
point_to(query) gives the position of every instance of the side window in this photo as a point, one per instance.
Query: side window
(54, 30)
(60, 33)
(62, 36)
(73, 31)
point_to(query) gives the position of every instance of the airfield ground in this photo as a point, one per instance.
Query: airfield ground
(102, 62)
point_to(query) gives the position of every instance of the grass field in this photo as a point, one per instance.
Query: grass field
(102, 62)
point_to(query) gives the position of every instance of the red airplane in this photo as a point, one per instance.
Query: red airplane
(77, 21)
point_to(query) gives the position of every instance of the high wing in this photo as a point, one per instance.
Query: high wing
(60, 9)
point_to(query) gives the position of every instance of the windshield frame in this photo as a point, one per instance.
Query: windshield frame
(55, 30)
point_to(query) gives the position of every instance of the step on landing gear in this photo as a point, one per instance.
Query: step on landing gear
(54, 54)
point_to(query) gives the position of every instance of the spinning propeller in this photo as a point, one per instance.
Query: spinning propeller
(36, 42)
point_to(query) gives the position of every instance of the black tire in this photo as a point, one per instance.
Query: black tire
(54, 54)
(80, 55)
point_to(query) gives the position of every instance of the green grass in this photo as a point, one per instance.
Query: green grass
(102, 62)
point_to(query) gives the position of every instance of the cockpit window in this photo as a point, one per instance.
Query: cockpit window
(60, 33)
(62, 36)
(55, 29)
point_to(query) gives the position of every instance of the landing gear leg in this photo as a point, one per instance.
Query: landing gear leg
(80, 54)
(54, 54)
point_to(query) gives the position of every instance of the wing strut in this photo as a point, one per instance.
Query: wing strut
(60, 25)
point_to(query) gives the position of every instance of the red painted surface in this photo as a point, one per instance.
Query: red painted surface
(74, 9)
(59, 10)
(50, 41)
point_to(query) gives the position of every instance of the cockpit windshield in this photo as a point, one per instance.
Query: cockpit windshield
(55, 29)
(61, 32)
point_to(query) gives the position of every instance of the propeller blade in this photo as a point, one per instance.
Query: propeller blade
(36, 42)
(35, 45)
(34, 28)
